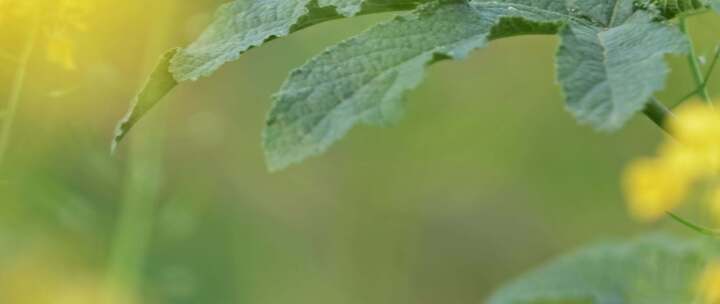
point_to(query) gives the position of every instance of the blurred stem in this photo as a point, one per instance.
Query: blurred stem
(143, 182)
(695, 64)
(16, 89)
(135, 223)
(658, 113)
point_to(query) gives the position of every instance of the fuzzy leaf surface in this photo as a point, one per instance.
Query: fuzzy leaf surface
(238, 26)
(363, 79)
(608, 75)
(654, 269)
(241, 25)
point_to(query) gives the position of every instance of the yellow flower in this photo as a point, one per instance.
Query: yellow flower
(59, 22)
(657, 185)
(708, 286)
(653, 187)
(684, 160)
(72, 14)
(14, 9)
(60, 51)
(3, 10)
(696, 124)
(69, 18)
(697, 128)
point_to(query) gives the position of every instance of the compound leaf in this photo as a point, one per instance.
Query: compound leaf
(609, 47)
(363, 79)
(610, 61)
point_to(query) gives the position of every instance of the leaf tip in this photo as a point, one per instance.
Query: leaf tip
(158, 85)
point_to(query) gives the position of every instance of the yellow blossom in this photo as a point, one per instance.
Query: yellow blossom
(696, 124)
(684, 160)
(708, 286)
(59, 22)
(653, 187)
(697, 128)
(60, 51)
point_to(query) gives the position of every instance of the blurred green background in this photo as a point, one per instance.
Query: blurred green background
(485, 177)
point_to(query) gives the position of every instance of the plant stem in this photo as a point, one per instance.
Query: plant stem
(135, 223)
(16, 89)
(693, 226)
(143, 182)
(695, 64)
(658, 113)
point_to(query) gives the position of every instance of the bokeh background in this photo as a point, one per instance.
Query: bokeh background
(486, 177)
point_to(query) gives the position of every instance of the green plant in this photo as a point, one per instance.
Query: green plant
(610, 63)
(652, 269)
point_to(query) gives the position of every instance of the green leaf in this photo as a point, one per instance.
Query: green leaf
(608, 75)
(609, 48)
(655, 269)
(672, 8)
(363, 79)
(236, 27)
(609, 64)
(156, 87)
(346, 8)
(241, 25)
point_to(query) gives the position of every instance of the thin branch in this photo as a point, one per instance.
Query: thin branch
(713, 64)
(694, 227)
(706, 80)
(686, 97)
(695, 64)
(16, 91)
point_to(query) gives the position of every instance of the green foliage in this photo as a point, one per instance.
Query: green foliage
(656, 269)
(241, 25)
(610, 61)
(608, 73)
(670, 8)
(156, 87)
(610, 64)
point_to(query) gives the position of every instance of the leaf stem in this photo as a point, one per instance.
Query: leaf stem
(18, 83)
(658, 113)
(694, 227)
(695, 64)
